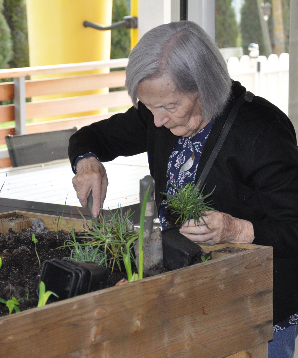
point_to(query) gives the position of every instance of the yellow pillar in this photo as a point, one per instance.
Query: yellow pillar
(57, 36)
(134, 33)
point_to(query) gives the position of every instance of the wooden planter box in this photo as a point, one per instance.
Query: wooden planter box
(212, 309)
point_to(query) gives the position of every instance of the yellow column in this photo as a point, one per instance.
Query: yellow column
(134, 33)
(57, 36)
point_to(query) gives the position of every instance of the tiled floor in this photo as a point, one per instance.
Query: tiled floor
(52, 182)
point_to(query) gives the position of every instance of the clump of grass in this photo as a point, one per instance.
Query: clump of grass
(187, 202)
(111, 236)
(86, 252)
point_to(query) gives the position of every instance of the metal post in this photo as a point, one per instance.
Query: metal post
(293, 70)
(20, 105)
(183, 10)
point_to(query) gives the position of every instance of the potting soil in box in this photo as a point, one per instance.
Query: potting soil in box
(21, 267)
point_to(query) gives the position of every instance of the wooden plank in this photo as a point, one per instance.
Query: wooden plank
(65, 68)
(6, 91)
(74, 83)
(77, 104)
(208, 310)
(54, 125)
(5, 163)
(66, 123)
(4, 132)
(242, 354)
(6, 113)
(259, 351)
(52, 222)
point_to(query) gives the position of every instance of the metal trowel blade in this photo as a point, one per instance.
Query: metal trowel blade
(90, 205)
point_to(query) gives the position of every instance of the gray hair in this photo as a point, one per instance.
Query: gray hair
(185, 52)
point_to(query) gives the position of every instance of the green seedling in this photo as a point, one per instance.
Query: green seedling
(0, 262)
(11, 304)
(59, 221)
(188, 203)
(112, 236)
(205, 258)
(44, 295)
(34, 239)
(85, 252)
(126, 256)
(115, 237)
(27, 294)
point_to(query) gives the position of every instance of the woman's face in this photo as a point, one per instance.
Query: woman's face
(179, 112)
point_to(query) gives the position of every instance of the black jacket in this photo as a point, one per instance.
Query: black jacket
(255, 175)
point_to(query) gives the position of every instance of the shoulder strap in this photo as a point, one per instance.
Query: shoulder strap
(245, 97)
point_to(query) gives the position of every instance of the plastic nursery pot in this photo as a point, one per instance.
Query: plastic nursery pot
(178, 250)
(69, 278)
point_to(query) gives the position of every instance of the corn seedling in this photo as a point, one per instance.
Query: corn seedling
(11, 304)
(126, 255)
(187, 203)
(0, 262)
(34, 239)
(205, 258)
(44, 295)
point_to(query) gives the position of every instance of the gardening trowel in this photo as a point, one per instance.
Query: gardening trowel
(152, 243)
(90, 205)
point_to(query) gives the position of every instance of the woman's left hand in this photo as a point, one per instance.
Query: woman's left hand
(220, 228)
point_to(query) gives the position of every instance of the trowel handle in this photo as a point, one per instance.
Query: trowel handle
(149, 214)
(90, 205)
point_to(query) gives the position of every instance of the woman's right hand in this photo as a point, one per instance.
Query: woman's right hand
(91, 175)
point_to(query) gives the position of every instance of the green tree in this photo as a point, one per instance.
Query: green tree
(250, 26)
(5, 40)
(226, 28)
(286, 19)
(120, 44)
(16, 16)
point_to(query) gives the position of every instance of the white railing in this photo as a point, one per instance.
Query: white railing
(268, 78)
(265, 77)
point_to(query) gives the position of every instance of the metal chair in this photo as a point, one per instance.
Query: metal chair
(38, 147)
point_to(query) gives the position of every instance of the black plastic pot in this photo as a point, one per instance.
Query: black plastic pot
(178, 250)
(68, 278)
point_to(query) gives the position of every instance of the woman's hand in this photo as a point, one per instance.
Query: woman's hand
(91, 175)
(220, 228)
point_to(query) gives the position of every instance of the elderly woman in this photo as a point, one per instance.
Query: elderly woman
(182, 95)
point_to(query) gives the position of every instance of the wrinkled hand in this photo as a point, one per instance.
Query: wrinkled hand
(91, 175)
(220, 228)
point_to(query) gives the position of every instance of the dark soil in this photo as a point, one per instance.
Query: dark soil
(20, 272)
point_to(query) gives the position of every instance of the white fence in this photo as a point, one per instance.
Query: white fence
(265, 77)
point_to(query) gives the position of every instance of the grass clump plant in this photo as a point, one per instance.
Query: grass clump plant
(187, 202)
(111, 240)
(86, 252)
(112, 235)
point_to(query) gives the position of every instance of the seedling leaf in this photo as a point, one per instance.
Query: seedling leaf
(43, 295)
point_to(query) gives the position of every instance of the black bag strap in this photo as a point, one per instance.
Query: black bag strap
(245, 97)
